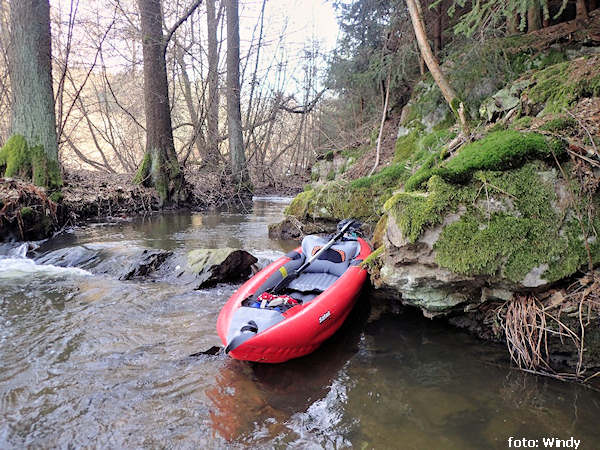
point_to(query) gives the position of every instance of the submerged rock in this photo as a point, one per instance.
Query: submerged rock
(148, 262)
(212, 266)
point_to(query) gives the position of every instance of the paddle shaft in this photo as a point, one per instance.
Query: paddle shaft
(284, 282)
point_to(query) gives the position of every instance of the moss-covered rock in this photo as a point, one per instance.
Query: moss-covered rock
(559, 86)
(364, 197)
(512, 229)
(497, 151)
(332, 165)
(360, 199)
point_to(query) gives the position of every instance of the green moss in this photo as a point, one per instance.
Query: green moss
(560, 124)
(362, 198)
(550, 58)
(504, 246)
(523, 122)
(379, 231)
(331, 175)
(142, 174)
(56, 196)
(299, 206)
(499, 150)
(425, 172)
(498, 126)
(373, 260)
(559, 86)
(329, 156)
(526, 233)
(414, 148)
(414, 211)
(26, 212)
(15, 157)
(405, 146)
(18, 159)
(387, 177)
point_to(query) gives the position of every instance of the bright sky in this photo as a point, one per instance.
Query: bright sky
(307, 19)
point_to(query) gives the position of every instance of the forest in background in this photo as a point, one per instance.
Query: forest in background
(287, 106)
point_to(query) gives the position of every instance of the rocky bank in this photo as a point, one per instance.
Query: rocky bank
(493, 231)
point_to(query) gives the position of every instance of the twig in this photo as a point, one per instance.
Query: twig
(586, 130)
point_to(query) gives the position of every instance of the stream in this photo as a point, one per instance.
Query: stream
(87, 360)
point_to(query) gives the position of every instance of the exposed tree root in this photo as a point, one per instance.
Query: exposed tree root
(534, 325)
(26, 212)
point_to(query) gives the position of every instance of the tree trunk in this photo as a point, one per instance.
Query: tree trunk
(512, 22)
(456, 105)
(160, 167)
(534, 18)
(437, 30)
(33, 115)
(198, 135)
(234, 115)
(581, 10)
(212, 149)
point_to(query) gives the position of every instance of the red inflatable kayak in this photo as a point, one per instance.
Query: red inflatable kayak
(255, 327)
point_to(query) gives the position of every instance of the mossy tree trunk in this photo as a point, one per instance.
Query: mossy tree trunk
(160, 167)
(32, 114)
(456, 105)
(239, 168)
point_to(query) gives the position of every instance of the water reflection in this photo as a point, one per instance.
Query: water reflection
(253, 400)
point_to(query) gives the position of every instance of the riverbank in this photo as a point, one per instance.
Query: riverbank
(28, 213)
(494, 229)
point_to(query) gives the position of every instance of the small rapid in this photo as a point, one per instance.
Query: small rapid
(90, 360)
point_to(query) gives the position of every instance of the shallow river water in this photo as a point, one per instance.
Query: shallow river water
(87, 360)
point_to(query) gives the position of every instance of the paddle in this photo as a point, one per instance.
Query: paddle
(292, 276)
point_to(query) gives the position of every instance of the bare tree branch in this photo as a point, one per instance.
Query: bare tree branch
(303, 109)
(180, 22)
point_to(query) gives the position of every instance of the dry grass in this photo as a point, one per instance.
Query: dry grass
(529, 322)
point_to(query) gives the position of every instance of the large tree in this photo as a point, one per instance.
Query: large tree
(32, 151)
(239, 168)
(160, 167)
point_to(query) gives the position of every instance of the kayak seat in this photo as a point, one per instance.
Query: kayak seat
(312, 281)
(331, 265)
(320, 275)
